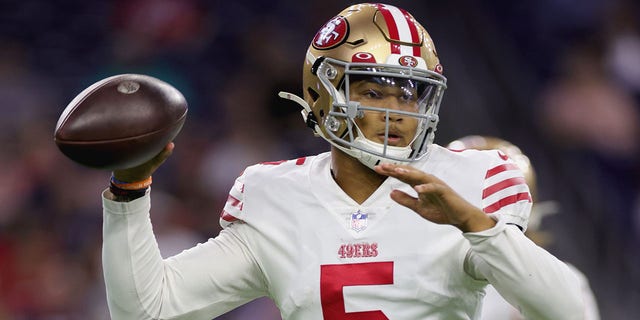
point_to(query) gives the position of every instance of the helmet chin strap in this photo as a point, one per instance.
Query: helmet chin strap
(306, 110)
(371, 160)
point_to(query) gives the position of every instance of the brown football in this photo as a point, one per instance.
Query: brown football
(120, 122)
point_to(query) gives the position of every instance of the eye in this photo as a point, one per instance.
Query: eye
(372, 94)
(408, 96)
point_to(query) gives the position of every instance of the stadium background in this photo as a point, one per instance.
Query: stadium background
(559, 78)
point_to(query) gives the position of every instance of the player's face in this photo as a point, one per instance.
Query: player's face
(391, 94)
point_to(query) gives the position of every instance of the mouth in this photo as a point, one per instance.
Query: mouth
(394, 139)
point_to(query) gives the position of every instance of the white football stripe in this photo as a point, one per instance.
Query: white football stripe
(509, 191)
(404, 33)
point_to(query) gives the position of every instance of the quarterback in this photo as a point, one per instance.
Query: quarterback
(385, 225)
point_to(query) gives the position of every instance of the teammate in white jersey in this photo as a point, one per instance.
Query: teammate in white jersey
(494, 306)
(386, 225)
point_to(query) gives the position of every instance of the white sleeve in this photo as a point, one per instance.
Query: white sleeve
(200, 283)
(527, 276)
(592, 310)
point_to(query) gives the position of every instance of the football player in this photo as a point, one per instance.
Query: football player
(494, 307)
(385, 225)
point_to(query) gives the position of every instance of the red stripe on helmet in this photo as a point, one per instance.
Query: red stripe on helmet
(393, 28)
(415, 36)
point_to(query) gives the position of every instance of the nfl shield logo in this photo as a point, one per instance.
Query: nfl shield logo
(358, 221)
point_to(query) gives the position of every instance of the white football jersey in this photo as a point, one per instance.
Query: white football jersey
(292, 234)
(323, 254)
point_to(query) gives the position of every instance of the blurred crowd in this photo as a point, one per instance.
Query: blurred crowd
(560, 79)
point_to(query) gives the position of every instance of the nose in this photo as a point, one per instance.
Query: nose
(391, 104)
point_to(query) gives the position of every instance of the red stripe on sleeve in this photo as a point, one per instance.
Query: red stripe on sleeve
(226, 216)
(502, 185)
(234, 202)
(501, 168)
(507, 201)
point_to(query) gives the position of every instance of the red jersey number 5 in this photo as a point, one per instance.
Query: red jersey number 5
(334, 277)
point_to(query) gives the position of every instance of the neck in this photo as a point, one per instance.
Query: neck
(356, 180)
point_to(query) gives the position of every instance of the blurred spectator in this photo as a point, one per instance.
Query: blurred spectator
(623, 45)
(583, 109)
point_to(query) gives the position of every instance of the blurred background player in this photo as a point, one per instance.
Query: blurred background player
(495, 307)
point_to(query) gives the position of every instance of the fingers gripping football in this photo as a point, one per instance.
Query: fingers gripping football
(146, 169)
(436, 201)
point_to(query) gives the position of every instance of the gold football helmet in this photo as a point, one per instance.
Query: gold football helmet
(370, 41)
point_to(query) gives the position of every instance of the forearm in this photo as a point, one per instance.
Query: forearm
(131, 260)
(527, 276)
(478, 221)
(200, 283)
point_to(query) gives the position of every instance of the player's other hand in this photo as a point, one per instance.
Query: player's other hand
(436, 201)
(146, 169)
